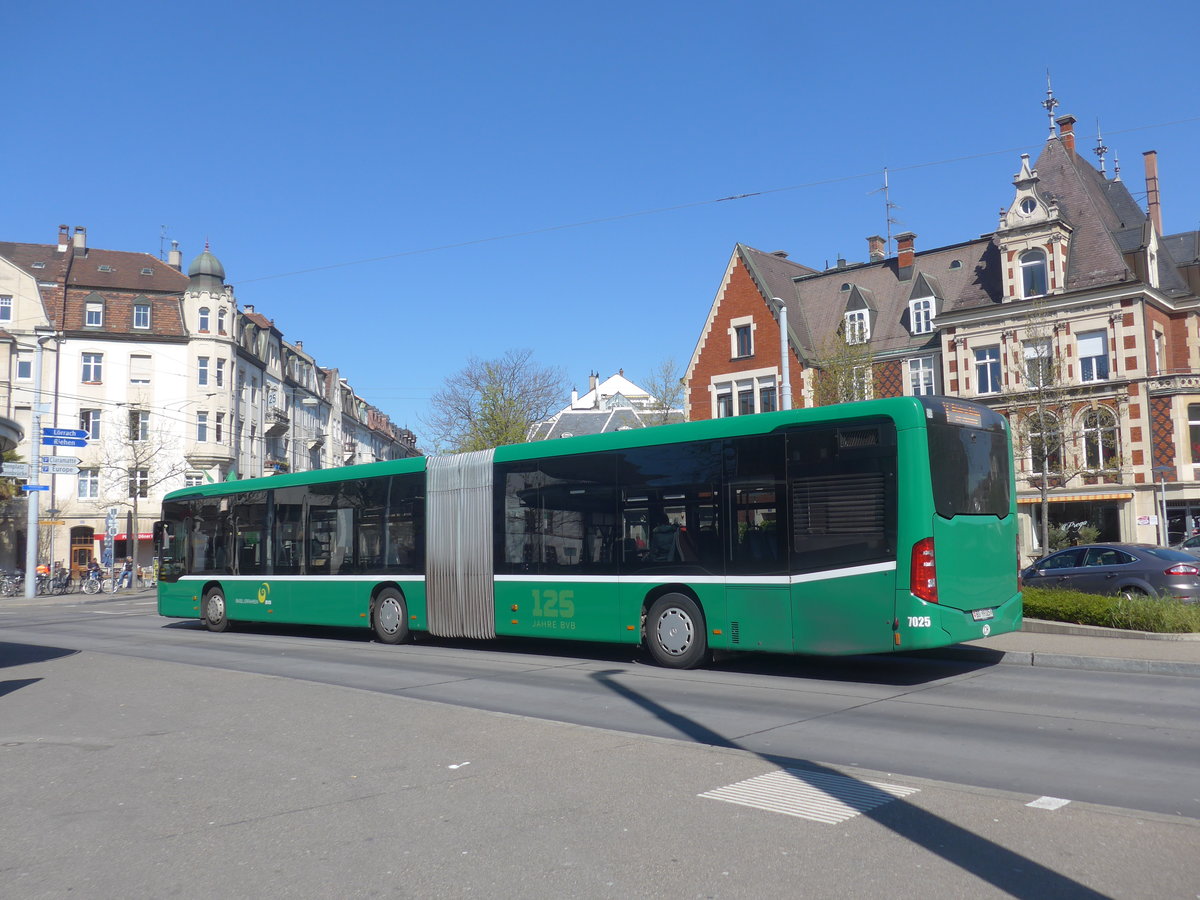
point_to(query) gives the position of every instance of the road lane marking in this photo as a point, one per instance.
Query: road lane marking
(1048, 803)
(817, 796)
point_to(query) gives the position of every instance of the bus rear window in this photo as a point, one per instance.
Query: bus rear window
(970, 469)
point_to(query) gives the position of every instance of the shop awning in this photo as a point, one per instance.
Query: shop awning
(1076, 498)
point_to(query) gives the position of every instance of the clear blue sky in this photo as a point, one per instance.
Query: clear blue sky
(403, 185)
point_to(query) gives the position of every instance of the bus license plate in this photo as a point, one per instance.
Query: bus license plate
(981, 615)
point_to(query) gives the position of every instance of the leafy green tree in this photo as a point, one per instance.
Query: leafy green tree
(844, 372)
(665, 385)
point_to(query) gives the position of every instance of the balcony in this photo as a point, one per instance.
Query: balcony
(1183, 383)
(276, 422)
(316, 441)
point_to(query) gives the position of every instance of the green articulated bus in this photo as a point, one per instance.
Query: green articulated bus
(866, 527)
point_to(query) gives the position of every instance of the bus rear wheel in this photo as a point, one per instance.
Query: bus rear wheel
(213, 610)
(675, 634)
(389, 617)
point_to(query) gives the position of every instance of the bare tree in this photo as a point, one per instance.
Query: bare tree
(665, 385)
(1057, 452)
(491, 402)
(138, 460)
(845, 371)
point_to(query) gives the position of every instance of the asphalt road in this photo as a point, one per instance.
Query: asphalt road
(239, 779)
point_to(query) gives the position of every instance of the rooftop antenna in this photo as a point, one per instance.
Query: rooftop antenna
(888, 219)
(162, 239)
(1100, 149)
(1050, 103)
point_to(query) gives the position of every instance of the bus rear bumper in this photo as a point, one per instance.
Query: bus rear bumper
(927, 625)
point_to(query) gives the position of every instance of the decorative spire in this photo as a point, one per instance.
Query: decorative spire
(1116, 168)
(1099, 149)
(1050, 103)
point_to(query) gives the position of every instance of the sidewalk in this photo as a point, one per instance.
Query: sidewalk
(1065, 646)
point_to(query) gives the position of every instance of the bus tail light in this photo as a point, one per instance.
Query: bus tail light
(922, 579)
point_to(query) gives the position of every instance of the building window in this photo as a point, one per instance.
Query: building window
(766, 399)
(139, 482)
(1033, 273)
(202, 319)
(139, 425)
(89, 421)
(5, 309)
(745, 400)
(88, 484)
(93, 314)
(24, 366)
(1093, 356)
(220, 373)
(987, 370)
(920, 375)
(191, 479)
(1160, 354)
(1100, 440)
(1194, 437)
(220, 428)
(743, 344)
(724, 404)
(202, 426)
(221, 321)
(1044, 440)
(1039, 363)
(202, 370)
(862, 385)
(139, 370)
(141, 315)
(857, 327)
(93, 367)
(920, 315)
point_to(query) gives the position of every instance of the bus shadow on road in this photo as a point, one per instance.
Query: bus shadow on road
(900, 670)
(24, 655)
(994, 863)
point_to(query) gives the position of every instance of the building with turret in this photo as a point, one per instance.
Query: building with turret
(170, 383)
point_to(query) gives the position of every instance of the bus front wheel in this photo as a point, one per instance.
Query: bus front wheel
(389, 617)
(213, 608)
(675, 633)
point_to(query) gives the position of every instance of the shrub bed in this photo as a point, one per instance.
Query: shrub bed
(1137, 613)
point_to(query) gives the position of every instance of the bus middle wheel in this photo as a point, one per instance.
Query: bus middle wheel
(389, 617)
(675, 634)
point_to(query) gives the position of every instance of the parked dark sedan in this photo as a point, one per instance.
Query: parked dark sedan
(1129, 569)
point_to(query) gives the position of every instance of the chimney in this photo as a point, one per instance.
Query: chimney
(1066, 128)
(876, 248)
(1153, 206)
(593, 380)
(64, 238)
(904, 250)
(249, 307)
(175, 257)
(299, 345)
(80, 240)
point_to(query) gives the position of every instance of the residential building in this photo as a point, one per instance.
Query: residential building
(615, 404)
(1077, 317)
(170, 380)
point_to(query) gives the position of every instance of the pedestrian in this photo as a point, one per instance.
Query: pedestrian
(126, 579)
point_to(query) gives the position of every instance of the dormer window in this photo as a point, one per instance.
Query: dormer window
(93, 314)
(920, 315)
(857, 327)
(1034, 279)
(1028, 205)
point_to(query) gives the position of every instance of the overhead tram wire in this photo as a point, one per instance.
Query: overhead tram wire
(693, 205)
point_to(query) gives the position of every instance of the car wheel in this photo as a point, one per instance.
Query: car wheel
(389, 617)
(675, 632)
(1131, 592)
(212, 610)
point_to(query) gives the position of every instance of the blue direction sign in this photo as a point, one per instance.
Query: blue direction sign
(35, 487)
(64, 432)
(63, 441)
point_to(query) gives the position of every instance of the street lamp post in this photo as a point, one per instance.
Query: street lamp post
(33, 485)
(785, 381)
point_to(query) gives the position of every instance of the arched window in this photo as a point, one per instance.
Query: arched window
(221, 321)
(1044, 439)
(1033, 273)
(1100, 443)
(202, 319)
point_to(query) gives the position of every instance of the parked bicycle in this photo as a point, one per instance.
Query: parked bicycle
(12, 584)
(62, 583)
(92, 582)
